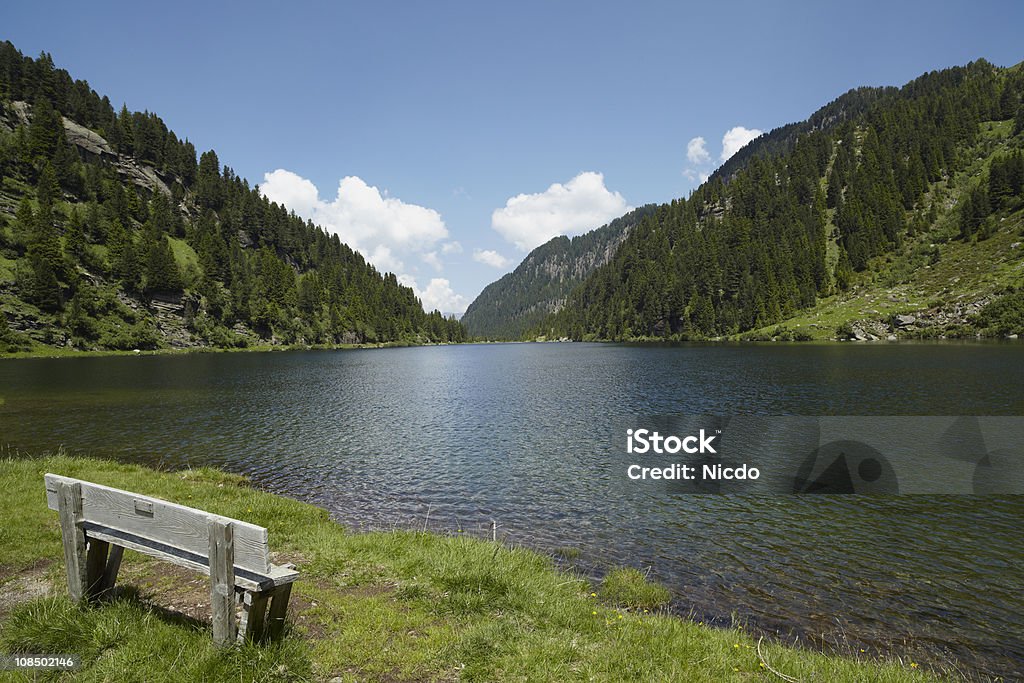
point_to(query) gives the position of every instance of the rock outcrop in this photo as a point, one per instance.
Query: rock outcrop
(542, 283)
(88, 141)
(935, 321)
(95, 146)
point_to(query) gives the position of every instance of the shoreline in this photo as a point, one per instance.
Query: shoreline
(456, 588)
(60, 352)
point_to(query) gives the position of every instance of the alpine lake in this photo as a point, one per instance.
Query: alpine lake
(450, 438)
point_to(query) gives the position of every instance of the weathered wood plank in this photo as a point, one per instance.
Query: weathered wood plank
(69, 505)
(109, 577)
(277, 575)
(254, 610)
(278, 611)
(95, 563)
(222, 581)
(168, 523)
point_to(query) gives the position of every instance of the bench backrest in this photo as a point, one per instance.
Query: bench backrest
(157, 520)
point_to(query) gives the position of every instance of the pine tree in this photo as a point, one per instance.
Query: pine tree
(74, 237)
(65, 167)
(161, 272)
(24, 224)
(46, 130)
(124, 263)
(208, 181)
(127, 131)
(47, 188)
(844, 272)
(974, 211)
(42, 287)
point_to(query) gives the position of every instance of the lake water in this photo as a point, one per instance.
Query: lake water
(525, 434)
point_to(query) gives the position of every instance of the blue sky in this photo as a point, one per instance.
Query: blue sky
(446, 139)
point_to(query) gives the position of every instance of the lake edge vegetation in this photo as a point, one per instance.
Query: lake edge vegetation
(399, 605)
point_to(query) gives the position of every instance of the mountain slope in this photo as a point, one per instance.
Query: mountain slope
(114, 236)
(516, 304)
(868, 197)
(505, 309)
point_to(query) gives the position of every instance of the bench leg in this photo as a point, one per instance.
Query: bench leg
(254, 610)
(222, 583)
(278, 610)
(69, 506)
(110, 571)
(95, 564)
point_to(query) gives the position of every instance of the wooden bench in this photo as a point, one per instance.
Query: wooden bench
(98, 522)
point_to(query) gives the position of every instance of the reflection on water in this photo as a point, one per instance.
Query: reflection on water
(525, 434)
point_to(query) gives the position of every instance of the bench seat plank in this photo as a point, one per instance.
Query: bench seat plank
(170, 524)
(277, 576)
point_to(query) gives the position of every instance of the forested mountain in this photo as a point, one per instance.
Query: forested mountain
(520, 300)
(868, 199)
(113, 235)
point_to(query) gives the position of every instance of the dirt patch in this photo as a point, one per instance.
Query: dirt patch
(299, 607)
(29, 584)
(184, 595)
(288, 557)
(169, 587)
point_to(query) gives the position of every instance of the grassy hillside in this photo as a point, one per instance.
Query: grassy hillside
(943, 281)
(399, 606)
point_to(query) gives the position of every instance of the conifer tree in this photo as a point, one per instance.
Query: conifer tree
(74, 237)
(47, 187)
(161, 270)
(46, 130)
(24, 224)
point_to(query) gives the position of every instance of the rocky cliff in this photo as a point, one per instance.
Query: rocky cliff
(519, 301)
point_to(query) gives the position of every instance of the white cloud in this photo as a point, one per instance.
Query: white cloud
(382, 257)
(735, 138)
(438, 295)
(384, 229)
(431, 259)
(693, 175)
(491, 258)
(452, 247)
(291, 190)
(701, 161)
(583, 203)
(697, 151)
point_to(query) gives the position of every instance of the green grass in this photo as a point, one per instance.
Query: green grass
(965, 271)
(6, 269)
(379, 606)
(934, 268)
(184, 255)
(628, 587)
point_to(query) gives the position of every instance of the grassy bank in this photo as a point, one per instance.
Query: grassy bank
(41, 351)
(382, 606)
